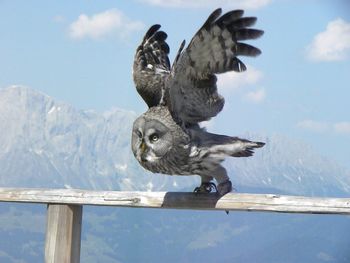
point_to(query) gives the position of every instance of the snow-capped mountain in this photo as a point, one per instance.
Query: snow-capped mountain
(291, 166)
(46, 143)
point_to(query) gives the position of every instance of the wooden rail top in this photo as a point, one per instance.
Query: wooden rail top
(180, 200)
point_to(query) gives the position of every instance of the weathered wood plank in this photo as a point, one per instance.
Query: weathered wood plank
(63, 233)
(231, 201)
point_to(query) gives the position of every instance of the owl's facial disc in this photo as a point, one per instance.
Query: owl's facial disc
(151, 145)
(151, 140)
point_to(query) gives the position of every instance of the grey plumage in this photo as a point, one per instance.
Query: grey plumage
(163, 146)
(213, 49)
(167, 138)
(151, 66)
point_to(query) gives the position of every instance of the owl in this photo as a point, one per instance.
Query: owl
(167, 138)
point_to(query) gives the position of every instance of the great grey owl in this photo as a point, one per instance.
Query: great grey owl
(167, 138)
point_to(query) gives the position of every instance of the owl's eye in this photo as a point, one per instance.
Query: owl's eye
(139, 134)
(154, 137)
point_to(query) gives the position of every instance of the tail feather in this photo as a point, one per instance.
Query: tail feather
(221, 145)
(249, 149)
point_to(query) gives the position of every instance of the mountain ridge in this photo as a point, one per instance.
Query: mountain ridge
(48, 143)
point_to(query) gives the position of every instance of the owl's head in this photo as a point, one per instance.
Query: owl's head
(155, 134)
(151, 139)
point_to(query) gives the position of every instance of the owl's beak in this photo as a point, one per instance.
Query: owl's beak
(143, 147)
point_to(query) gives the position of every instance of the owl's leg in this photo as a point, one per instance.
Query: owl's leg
(206, 186)
(206, 179)
(224, 183)
(225, 187)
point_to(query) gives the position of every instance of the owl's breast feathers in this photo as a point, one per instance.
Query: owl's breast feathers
(175, 162)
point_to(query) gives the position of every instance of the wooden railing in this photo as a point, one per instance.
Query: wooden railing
(65, 209)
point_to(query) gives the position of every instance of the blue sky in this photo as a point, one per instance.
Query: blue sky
(81, 52)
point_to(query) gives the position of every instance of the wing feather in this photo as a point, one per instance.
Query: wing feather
(244, 22)
(243, 49)
(151, 65)
(212, 50)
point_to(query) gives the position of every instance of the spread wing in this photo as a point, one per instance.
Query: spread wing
(151, 65)
(214, 49)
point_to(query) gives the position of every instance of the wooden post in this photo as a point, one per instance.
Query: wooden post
(63, 233)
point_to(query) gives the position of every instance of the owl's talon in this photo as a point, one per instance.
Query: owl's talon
(224, 188)
(205, 188)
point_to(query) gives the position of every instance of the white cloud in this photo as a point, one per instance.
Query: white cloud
(256, 96)
(342, 127)
(333, 44)
(103, 24)
(320, 127)
(244, 4)
(315, 126)
(234, 80)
